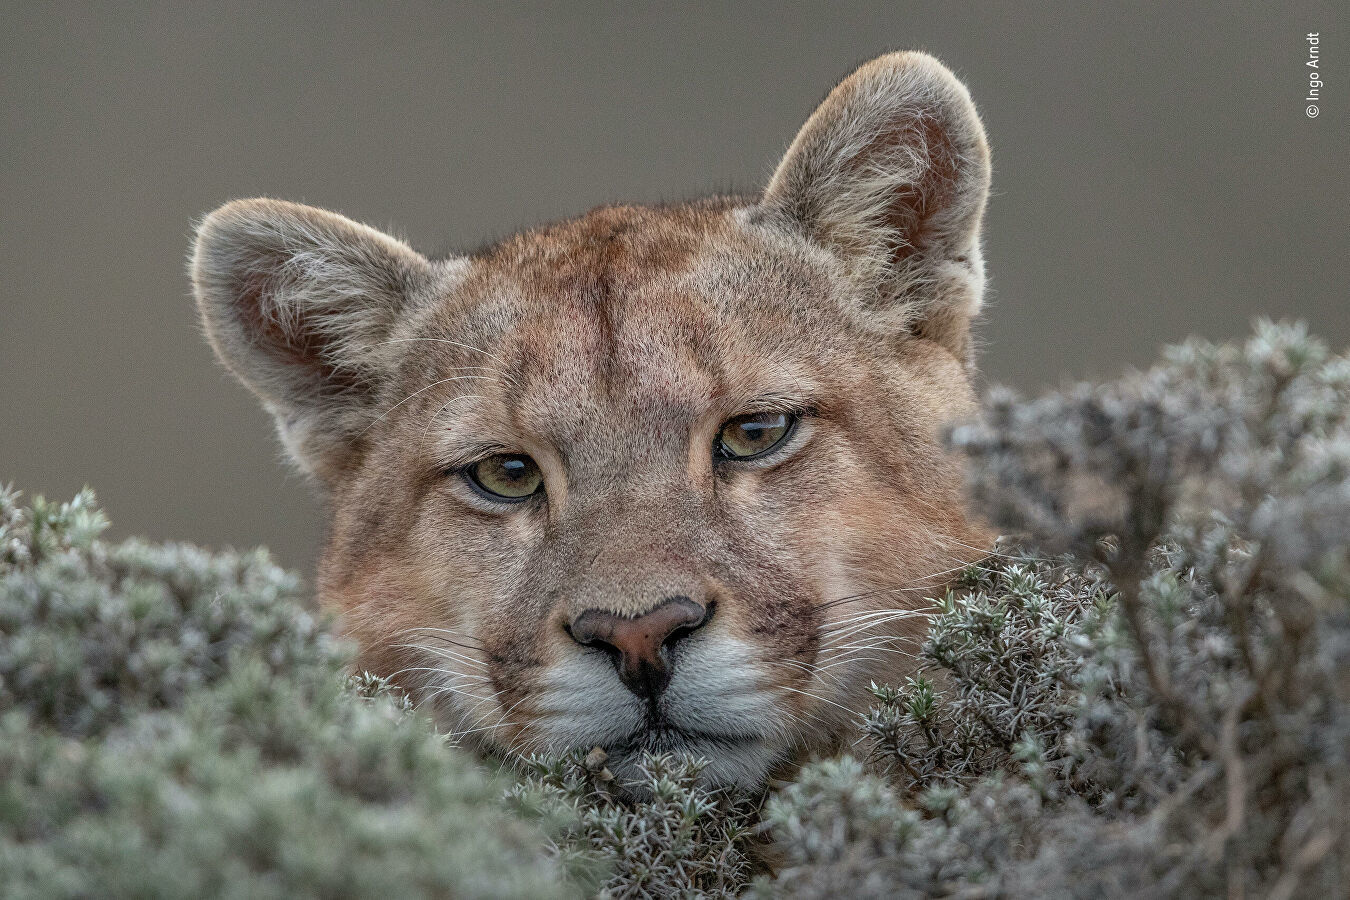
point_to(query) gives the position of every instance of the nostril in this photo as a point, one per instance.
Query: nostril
(592, 629)
(682, 631)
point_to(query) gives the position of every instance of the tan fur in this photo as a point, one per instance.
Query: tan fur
(611, 348)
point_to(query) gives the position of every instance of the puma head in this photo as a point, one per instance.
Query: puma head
(655, 478)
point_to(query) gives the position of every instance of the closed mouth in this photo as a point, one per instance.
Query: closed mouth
(739, 762)
(660, 735)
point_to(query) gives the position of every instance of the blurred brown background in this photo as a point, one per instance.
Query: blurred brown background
(1155, 176)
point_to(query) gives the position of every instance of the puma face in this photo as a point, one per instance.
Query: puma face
(654, 478)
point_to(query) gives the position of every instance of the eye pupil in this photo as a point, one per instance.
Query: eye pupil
(506, 477)
(753, 435)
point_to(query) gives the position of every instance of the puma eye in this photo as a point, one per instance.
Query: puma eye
(508, 477)
(754, 435)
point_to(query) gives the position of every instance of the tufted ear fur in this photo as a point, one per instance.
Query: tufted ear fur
(296, 302)
(891, 174)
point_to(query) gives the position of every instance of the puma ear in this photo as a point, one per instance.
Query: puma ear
(891, 174)
(296, 302)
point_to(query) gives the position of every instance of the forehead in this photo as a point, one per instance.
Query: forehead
(644, 314)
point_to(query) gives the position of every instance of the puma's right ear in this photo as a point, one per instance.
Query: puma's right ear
(890, 174)
(296, 302)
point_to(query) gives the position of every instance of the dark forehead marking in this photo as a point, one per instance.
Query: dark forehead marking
(588, 269)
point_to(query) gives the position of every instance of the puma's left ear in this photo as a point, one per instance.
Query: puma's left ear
(891, 173)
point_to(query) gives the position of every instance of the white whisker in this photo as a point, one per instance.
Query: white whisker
(783, 687)
(423, 390)
(444, 654)
(445, 341)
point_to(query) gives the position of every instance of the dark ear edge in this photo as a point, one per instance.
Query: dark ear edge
(296, 301)
(891, 174)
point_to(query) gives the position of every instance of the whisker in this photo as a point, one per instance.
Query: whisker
(887, 612)
(867, 648)
(796, 717)
(472, 728)
(435, 632)
(439, 689)
(498, 724)
(916, 584)
(382, 415)
(835, 664)
(506, 712)
(445, 341)
(904, 589)
(843, 632)
(844, 661)
(784, 687)
(444, 654)
(436, 692)
(432, 419)
(460, 735)
(851, 598)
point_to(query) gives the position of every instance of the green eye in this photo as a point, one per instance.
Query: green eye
(753, 435)
(509, 477)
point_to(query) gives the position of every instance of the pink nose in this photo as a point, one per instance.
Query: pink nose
(639, 645)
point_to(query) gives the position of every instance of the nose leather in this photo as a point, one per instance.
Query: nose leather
(639, 644)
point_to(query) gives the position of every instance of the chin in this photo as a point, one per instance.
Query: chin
(737, 763)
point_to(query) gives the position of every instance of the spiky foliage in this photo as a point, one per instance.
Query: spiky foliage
(174, 724)
(666, 834)
(1007, 644)
(1179, 727)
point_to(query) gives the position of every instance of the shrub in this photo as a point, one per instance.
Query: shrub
(175, 724)
(664, 835)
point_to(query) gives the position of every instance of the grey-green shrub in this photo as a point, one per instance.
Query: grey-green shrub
(666, 835)
(175, 724)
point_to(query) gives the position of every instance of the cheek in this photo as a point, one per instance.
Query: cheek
(894, 537)
(441, 579)
(844, 539)
(464, 550)
(765, 578)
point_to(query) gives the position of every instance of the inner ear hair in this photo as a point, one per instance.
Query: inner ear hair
(297, 303)
(891, 174)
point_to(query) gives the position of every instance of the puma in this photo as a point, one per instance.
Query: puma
(652, 479)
